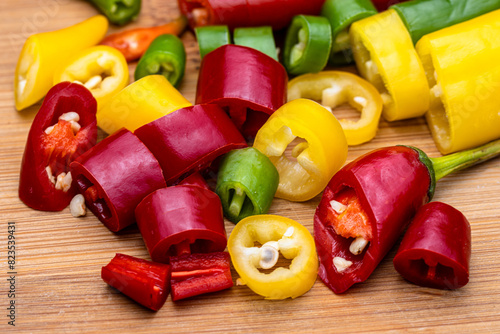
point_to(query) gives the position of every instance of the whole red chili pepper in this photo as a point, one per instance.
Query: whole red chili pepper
(64, 128)
(115, 175)
(248, 84)
(436, 248)
(146, 282)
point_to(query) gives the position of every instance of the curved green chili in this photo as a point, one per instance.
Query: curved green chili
(118, 11)
(211, 37)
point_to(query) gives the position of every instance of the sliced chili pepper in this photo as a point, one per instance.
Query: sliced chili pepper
(245, 82)
(258, 38)
(436, 249)
(63, 129)
(196, 274)
(307, 44)
(211, 37)
(179, 140)
(181, 220)
(146, 282)
(166, 56)
(134, 42)
(195, 179)
(114, 176)
(118, 11)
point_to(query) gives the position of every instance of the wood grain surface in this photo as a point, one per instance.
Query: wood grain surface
(58, 258)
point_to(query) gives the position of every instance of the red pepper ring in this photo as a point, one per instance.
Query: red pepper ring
(181, 220)
(48, 153)
(436, 249)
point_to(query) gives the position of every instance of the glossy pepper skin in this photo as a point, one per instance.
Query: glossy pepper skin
(258, 38)
(114, 176)
(436, 249)
(249, 85)
(145, 282)
(196, 274)
(101, 69)
(246, 13)
(180, 220)
(166, 55)
(189, 139)
(58, 148)
(211, 37)
(42, 53)
(119, 12)
(246, 183)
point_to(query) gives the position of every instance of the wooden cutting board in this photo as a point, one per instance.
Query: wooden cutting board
(58, 258)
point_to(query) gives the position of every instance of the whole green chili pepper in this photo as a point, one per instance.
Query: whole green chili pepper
(307, 44)
(118, 11)
(246, 183)
(341, 14)
(211, 37)
(258, 38)
(166, 56)
(422, 17)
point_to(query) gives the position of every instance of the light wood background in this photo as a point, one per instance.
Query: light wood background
(58, 284)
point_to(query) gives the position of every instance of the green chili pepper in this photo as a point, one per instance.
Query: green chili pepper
(422, 17)
(118, 11)
(341, 14)
(211, 37)
(258, 38)
(246, 183)
(307, 44)
(166, 56)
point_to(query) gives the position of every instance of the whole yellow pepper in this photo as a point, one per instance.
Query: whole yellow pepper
(139, 103)
(385, 56)
(42, 53)
(462, 64)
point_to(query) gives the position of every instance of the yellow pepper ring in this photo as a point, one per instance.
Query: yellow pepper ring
(293, 241)
(334, 88)
(385, 56)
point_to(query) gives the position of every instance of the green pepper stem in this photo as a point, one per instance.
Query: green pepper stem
(450, 163)
(237, 202)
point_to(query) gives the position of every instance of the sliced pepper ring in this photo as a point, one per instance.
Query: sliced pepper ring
(292, 240)
(334, 88)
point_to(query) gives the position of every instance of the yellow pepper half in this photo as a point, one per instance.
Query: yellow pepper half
(139, 103)
(462, 64)
(335, 88)
(320, 150)
(275, 235)
(102, 69)
(42, 53)
(385, 56)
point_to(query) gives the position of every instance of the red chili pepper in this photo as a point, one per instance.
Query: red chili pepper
(436, 249)
(134, 42)
(197, 274)
(146, 282)
(181, 220)
(53, 142)
(115, 175)
(189, 139)
(248, 84)
(195, 179)
(244, 13)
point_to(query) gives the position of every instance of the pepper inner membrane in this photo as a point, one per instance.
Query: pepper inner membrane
(436, 272)
(96, 203)
(236, 206)
(197, 13)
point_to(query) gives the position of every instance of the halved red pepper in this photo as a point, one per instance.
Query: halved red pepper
(197, 274)
(189, 139)
(248, 84)
(115, 175)
(146, 282)
(181, 220)
(64, 128)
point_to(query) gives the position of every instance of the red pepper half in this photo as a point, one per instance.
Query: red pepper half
(197, 274)
(146, 282)
(181, 220)
(189, 139)
(248, 84)
(115, 175)
(436, 249)
(57, 136)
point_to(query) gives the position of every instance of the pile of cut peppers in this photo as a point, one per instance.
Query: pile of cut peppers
(264, 126)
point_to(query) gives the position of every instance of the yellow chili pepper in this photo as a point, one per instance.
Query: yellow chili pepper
(334, 88)
(42, 53)
(462, 64)
(320, 152)
(139, 103)
(102, 69)
(276, 235)
(385, 56)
